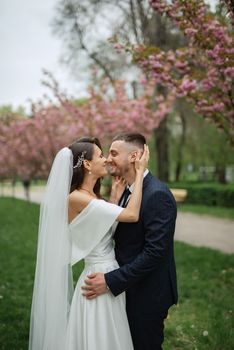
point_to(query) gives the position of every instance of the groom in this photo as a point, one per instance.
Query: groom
(144, 251)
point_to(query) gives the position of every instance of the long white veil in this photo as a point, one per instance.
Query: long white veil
(53, 283)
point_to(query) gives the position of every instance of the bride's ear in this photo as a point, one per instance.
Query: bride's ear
(87, 165)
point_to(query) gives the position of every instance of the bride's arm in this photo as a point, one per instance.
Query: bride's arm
(131, 212)
(117, 189)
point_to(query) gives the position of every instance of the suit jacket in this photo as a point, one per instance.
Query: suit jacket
(145, 252)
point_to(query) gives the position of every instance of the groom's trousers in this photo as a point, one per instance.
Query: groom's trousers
(147, 332)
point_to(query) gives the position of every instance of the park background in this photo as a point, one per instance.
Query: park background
(164, 69)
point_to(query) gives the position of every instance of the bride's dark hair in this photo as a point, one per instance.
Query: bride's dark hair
(83, 147)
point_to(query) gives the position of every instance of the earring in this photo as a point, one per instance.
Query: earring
(90, 173)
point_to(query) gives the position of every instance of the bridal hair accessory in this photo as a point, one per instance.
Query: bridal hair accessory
(80, 160)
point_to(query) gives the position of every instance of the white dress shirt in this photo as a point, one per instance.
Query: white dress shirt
(113, 228)
(132, 187)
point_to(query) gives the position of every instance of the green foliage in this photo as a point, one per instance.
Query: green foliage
(203, 145)
(9, 110)
(205, 278)
(220, 212)
(208, 194)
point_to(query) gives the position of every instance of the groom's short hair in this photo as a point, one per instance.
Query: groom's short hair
(130, 137)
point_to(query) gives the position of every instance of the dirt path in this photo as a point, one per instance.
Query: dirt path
(205, 231)
(197, 230)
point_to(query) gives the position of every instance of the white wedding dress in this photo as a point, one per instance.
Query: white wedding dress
(101, 323)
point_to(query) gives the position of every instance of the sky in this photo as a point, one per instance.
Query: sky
(27, 46)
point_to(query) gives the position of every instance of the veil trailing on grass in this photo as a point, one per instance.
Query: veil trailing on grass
(53, 280)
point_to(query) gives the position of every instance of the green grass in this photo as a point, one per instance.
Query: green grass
(205, 280)
(226, 213)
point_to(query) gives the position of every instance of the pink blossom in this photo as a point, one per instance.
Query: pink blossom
(229, 72)
(202, 72)
(118, 47)
(190, 31)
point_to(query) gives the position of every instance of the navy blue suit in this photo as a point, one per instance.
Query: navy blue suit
(145, 253)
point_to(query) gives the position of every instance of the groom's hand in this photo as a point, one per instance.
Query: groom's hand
(95, 285)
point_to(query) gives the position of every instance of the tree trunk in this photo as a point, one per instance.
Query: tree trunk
(180, 148)
(26, 184)
(161, 144)
(13, 183)
(158, 38)
(2, 188)
(220, 173)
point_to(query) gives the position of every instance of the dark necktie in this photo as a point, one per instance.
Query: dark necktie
(126, 194)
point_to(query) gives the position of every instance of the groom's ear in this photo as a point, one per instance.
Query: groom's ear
(136, 154)
(133, 156)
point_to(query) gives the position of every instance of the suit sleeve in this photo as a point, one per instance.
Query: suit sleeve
(159, 217)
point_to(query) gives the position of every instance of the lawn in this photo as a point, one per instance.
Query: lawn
(202, 320)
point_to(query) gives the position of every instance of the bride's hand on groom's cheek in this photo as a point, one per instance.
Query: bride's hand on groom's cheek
(95, 285)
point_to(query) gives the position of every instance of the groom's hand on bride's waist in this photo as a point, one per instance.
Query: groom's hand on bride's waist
(95, 285)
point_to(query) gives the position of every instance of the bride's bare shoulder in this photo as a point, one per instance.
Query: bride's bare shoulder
(78, 200)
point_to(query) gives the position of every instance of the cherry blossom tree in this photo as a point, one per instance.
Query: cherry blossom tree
(30, 144)
(203, 71)
(109, 109)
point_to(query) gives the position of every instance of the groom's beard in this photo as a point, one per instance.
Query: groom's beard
(115, 170)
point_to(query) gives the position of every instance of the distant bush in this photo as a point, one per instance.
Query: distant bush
(208, 194)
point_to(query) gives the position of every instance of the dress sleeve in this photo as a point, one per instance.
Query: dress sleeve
(90, 226)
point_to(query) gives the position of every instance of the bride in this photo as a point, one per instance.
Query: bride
(75, 223)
